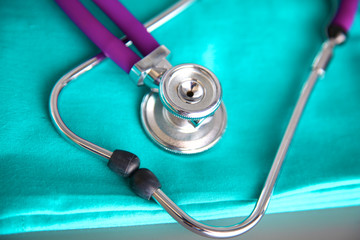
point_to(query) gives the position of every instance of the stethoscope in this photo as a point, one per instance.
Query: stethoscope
(183, 112)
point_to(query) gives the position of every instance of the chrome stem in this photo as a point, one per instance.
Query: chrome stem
(89, 64)
(318, 69)
(54, 109)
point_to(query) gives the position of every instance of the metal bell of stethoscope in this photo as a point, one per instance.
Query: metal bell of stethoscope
(183, 112)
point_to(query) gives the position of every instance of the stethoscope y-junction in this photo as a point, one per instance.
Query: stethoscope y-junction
(183, 111)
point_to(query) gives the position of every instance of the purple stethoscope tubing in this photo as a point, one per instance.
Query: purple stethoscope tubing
(345, 14)
(112, 47)
(142, 39)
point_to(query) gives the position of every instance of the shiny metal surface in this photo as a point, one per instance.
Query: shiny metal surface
(150, 69)
(265, 195)
(201, 99)
(168, 14)
(89, 64)
(191, 91)
(323, 58)
(67, 78)
(190, 94)
(180, 135)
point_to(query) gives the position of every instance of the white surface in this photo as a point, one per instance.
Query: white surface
(330, 224)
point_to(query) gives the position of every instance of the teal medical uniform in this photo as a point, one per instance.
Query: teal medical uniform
(261, 52)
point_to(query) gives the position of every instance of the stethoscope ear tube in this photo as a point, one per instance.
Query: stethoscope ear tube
(129, 25)
(112, 47)
(343, 19)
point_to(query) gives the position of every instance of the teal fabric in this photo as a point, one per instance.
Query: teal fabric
(261, 52)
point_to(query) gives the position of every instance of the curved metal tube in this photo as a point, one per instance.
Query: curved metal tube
(159, 196)
(89, 64)
(54, 110)
(318, 69)
(263, 201)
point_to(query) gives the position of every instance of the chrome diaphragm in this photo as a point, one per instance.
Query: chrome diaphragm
(187, 115)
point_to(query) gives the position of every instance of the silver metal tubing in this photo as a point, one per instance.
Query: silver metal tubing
(159, 196)
(89, 64)
(168, 14)
(54, 110)
(191, 224)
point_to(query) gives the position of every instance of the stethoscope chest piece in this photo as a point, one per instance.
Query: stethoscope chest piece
(187, 116)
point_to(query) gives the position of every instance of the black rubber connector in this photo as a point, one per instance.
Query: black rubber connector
(123, 163)
(144, 183)
(334, 30)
